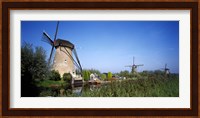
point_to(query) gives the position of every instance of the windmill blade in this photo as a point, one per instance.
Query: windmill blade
(165, 66)
(76, 55)
(133, 60)
(52, 42)
(71, 57)
(140, 65)
(129, 66)
(56, 31)
(46, 38)
(51, 54)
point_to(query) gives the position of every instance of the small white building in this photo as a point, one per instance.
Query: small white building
(94, 76)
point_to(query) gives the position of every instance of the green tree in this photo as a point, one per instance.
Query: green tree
(124, 74)
(86, 75)
(67, 77)
(27, 58)
(103, 76)
(40, 63)
(54, 75)
(109, 75)
(158, 72)
(33, 67)
(94, 71)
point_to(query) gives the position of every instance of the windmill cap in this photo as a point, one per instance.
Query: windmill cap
(64, 43)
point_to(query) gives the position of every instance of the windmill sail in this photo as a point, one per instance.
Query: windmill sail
(76, 55)
(52, 49)
(46, 38)
(140, 65)
(71, 57)
(56, 31)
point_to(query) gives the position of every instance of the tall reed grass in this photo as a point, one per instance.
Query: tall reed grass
(151, 87)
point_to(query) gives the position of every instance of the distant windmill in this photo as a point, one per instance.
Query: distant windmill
(134, 66)
(166, 70)
(64, 61)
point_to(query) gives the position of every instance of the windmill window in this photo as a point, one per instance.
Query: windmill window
(65, 60)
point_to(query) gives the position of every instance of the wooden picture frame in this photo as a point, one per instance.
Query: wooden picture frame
(7, 111)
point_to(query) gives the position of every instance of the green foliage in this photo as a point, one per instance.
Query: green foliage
(33, 67)
(67, 77)
(103, 76)
(124, 74)
(54, 75)
(148, 87)
(109, 75)
(94, 71)
(27, 58)
(86, 75)
(146, 73)
(40, 63)
(158, 72)
(152, 87)
(33, 62)
(49, 83)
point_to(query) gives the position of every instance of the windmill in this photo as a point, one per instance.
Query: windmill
(166, 70)
(134, 66)
(64, 61)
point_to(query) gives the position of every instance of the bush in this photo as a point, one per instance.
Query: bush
(67, 77)
(54, 75)
(103, 76)
(109, 75)
(124, 74)
(86, 75)
(94, 71)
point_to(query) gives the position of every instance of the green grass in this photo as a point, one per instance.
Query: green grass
(146, 86)
(48, 83)
(150, 87)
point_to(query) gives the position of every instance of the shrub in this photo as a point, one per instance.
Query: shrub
(124, 74)
(86, 75)
(54, 75)
(94, 71)
(103, 76)
(109, 75)
(67, 77)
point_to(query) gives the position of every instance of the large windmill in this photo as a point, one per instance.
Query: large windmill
(64, 61)
(134, 66)
(166, 70)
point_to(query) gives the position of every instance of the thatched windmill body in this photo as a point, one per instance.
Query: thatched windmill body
(64, 61)
(134, 66)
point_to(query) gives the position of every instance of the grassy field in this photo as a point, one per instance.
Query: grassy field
(137, 88)
(133, 87)
(151, 87)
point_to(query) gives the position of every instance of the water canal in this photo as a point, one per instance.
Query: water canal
(71, 90)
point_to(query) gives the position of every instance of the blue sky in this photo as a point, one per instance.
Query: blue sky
(111, 45)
